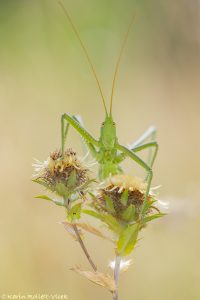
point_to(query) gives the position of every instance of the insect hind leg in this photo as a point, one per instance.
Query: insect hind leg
(148, 135)
(153, 146)
(143, 164)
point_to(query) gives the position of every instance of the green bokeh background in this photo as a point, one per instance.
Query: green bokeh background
(43, 73)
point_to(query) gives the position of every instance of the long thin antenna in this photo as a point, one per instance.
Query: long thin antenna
(86, 53)
(119, 59)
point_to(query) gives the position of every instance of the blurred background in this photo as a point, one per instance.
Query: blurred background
(43, 73)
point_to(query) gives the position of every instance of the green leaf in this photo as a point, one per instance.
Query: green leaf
(147, 205)
(152, 217)
(41, 182)
(62, 190)
(59, 202)
(129, 213)
(128, 239)
(44, 197)
(124, 197)
(75, 212)
(72, 180)
(109, 220)
(56, 201)
(93, 214)
(112, 223)
(109, 204)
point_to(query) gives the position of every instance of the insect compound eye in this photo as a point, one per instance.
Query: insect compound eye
(103, 123)
(114, 123)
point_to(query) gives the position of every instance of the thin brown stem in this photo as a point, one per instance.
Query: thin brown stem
(79, 239)
(84, 248)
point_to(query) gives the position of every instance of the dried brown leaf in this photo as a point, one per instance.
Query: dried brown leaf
(104, 280)
(69, 228)
(88, 228)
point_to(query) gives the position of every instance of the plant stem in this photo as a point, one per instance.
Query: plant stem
(116, 275)
(84, 248)
(67, 205)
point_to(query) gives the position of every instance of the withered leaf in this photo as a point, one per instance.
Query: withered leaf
(104, 280)
(87, 227)
(69, 228)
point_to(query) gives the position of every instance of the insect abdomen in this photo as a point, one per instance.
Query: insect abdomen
(107, 169)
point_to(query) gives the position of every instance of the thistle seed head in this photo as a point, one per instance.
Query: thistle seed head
(124, 181)
(64, 174)
(122, 196)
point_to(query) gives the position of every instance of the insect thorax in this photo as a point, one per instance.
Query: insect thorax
(108, 137)
(107, 163)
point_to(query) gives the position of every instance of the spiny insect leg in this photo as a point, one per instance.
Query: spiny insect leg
(64, 133)
(79, 119)
(148, 145)
(78, 127)
(149, 134)
(90, 146)
(143, 164)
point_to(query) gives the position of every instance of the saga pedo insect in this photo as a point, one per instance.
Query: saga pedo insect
(106, 150)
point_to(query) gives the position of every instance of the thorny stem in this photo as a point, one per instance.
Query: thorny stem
(79, 239)
(116, 275)
(84, 248)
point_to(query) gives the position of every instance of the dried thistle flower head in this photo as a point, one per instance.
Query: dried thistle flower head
(121, 204)
(63, 174)
(122, 197)
(124, 181)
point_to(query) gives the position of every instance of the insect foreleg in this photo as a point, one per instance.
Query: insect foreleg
(83, 132)
(65, 130)
(78, 127)
(90, 146)
(79, 119)
(138, 160)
